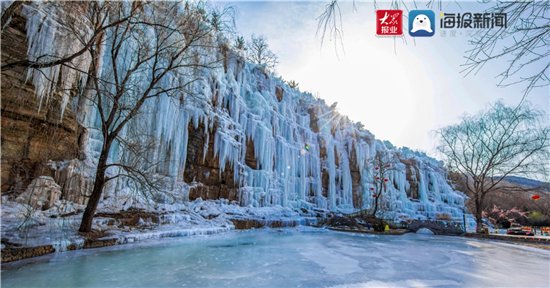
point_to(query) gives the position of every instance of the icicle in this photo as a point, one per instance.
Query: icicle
(47, 37)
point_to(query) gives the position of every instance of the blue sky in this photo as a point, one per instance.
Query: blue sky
(400, 92)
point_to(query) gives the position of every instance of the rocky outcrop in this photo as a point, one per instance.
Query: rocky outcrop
(204, 168)
(279, 92)
(413, 176)
(75, 178)
(97, 243)
(11, 254)
(245, 224)
(41, 194)
(357, 186)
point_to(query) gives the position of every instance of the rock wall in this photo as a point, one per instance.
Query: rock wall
(214, 183)
(244, 135)
(31, 137)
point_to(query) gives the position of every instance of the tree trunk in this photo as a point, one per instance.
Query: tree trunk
(99, 183)
(375, 206)
(478, 215)
(479, 223)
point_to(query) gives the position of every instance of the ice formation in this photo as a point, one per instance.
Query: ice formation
(307, 155)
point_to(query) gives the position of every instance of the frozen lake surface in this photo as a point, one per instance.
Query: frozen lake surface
(301, 257)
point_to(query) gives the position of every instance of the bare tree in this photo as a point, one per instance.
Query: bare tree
(260, 54)
(152, 54)
(223, 19)
(382, 165)
(494, 144)
(523, 44)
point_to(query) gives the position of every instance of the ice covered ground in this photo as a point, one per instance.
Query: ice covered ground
(58, 225)
(302, 257)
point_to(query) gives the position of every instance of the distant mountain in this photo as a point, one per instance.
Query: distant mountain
(526, 182)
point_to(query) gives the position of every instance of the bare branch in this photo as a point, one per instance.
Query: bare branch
(260, 54)
(523, 45)
(489, 147)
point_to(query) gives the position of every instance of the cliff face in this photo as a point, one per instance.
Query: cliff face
(245, 135)
(30, 136)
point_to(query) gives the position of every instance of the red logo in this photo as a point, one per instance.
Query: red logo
(389, 22)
